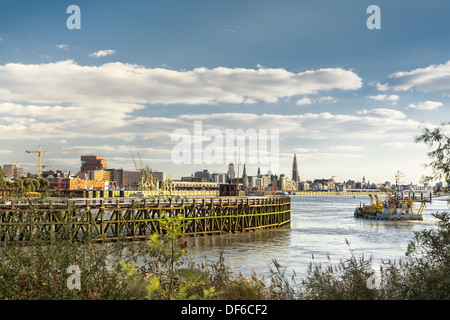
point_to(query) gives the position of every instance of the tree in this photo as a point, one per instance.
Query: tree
(2, 179)
(436, 138)
(43, 183)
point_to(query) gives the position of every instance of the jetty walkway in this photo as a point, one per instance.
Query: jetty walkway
(137, 218)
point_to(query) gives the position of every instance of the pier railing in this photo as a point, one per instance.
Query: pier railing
(138, 218)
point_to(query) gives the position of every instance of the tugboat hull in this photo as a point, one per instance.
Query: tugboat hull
(360, 213)
(395, 207)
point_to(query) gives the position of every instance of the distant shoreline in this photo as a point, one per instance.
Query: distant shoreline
(444, 198)
(336, 193)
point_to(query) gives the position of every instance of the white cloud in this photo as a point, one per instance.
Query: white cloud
(328, 155)
(427, 105)
(311, 125)
(304, 150)
(304, 101)
(68, 82)
(383, 113)
(404, 145)
(63, 46)
(434, 78)
(111, 121)
(326, 99)
(102, 53)
(347, 148)
(384, 97)
(64, 100)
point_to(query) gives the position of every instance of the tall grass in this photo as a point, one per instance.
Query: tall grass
(39, 270)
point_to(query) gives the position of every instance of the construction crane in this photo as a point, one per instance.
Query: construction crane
(40, 152)
(148, 180)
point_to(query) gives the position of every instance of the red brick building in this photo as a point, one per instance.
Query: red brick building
(90, 163)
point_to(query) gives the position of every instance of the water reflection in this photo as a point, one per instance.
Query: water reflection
(271, 238)
(320, 227)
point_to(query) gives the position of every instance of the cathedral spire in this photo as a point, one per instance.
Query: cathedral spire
(295, 176)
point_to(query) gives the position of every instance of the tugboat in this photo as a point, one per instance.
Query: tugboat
(395, 207)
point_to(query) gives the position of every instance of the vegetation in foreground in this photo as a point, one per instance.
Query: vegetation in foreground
(162, 271)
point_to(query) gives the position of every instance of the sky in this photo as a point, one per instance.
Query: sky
(171, 81)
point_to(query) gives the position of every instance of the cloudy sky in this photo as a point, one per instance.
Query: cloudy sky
(348, 100)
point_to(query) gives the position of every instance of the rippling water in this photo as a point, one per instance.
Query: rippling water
(320, 226)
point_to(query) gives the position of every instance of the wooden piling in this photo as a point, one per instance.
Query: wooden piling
(138, 218)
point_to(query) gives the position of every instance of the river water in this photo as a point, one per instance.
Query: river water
(320, 226)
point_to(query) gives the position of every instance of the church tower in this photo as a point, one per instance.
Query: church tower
(295, 176)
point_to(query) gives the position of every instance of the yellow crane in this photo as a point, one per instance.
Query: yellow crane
(40, 152)
(148, 180)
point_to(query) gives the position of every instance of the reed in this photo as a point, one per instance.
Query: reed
(39, 270)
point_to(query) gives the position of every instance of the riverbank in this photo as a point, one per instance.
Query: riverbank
(81, 271)
(337, 193)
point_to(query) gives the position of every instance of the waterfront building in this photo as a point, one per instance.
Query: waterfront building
(304, 186)
(91, 162)
(203, 176)
(219, 177)
(323, 184)
(255, 182)
(124, 179)
(11, 171)
(71, 184)
(183, 185)
(55, 174)
(229, 190)
(131, 179)
(99, 175)
(266, 180)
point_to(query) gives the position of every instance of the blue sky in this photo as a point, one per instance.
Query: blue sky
(347, 100)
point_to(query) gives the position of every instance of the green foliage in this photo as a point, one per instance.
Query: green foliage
(441, 154)
(38, 270)
(2, 179)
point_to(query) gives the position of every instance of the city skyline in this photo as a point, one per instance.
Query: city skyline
(99, 165)
(346, 99)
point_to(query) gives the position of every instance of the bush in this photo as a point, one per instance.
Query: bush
(41, 270)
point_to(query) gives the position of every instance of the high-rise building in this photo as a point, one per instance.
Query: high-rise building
(231, 173)
(295, 176)
(89, 163)
(204, 176)
(11, 170)
(245, 178)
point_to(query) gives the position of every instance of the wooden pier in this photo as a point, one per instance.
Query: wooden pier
(137, 218)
